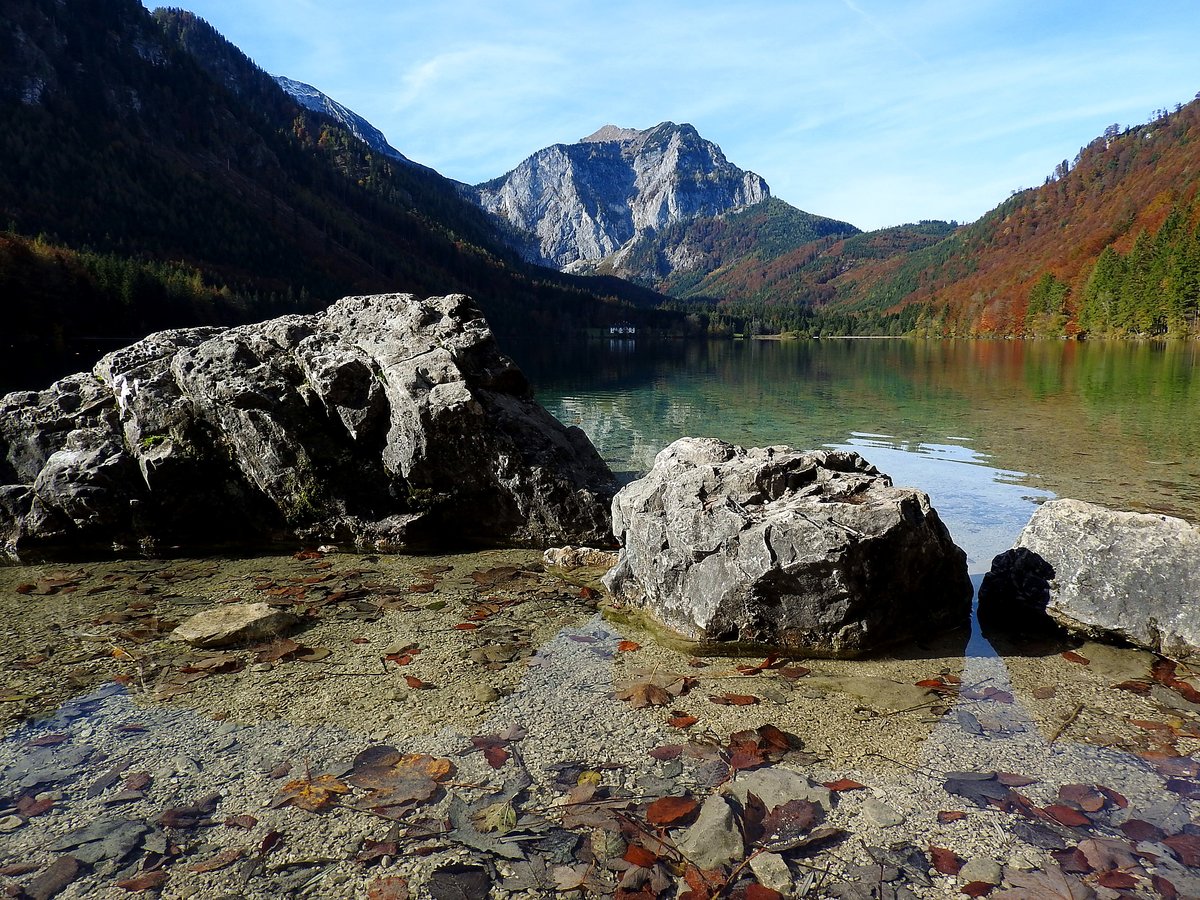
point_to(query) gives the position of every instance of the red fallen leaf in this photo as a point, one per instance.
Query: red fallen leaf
(1134, 686)
(1172, 766)
(1072, 656)
(1163, 671)
(734, 699)
(360, 640)
(1012, 779)
(628, 646)
(466, 626)
(1186, 847)
(48, 740)
(682, 720)
(1065, 815)
(1085, 796)
(844, 784)
(245, 820)
(423, 587)
(934, 684)
(389, 887)
(758, 892)
(1184, 788)
(496, 756)
(945, 861)
(639, 856)
(977, 888)
(29, 807)
(669, 811)
(587, 593)
(1165, 888)
(147, 881)
(416, 683)
(1116, 798)
(794, 671)
(1139, 830)
(1073, 860)
(16, 870)
(272, 840)
(303, 555)
(1116, 880)
(667, 751)
(946, 816)
(1186, 691)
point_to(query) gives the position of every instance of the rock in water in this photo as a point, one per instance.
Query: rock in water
(384, 421)
(1126, 576)
(810, 552)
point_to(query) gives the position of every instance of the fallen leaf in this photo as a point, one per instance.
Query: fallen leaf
(628, 646)
(945, 861)
(1116, 880)
(1139, 830)
(1012, 779)
(1072, 656)
(728, 699)
(1044, 692)
(243, 821)
(788, 824)
(390, 887)
(946, 816)
(220, 861)
(147, 881)
(314, 795)
(977, 888)
(682, 720)
(670, 811)
(1186, 847)
(757, 892)
(48, 740)
(666, 752)
(397, 779)
(1166, 889)
(1065, 815)
(639, 856)
(644, 694)
(844, 784)
(417, 684)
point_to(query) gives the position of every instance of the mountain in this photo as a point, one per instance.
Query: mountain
(311, 98)
(184, 186)
(662, 207)
(1108, 245)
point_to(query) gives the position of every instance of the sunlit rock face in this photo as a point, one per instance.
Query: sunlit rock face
(1116, 576)
(385, 421)
(572, 205)
(813, 552)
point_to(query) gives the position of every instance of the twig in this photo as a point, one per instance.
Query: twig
(1066, 723)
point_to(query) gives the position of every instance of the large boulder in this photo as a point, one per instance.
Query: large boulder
(814, 553)
(385, 421)
(1123, 576)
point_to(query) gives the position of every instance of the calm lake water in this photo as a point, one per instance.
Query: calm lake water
(987, 428)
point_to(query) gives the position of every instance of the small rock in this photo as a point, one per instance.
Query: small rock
(484, 693)
(261, 667)
(776, 786)
(880, 815)
(579, 557)
(11, 823)
(397, 694)
(1024, 860)
(235, 623)
(772, 872)
(714, 839)
(981, 868)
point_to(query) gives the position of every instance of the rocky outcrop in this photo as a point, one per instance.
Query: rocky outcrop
(387, 421)
(813, 553)
(575, 204)
(1123, 576)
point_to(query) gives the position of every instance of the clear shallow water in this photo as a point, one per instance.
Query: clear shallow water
(988, 428)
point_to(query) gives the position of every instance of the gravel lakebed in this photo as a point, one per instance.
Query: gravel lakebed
(476, 726)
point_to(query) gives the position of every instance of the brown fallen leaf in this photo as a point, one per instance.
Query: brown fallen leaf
(946, 816)
(1071, 656)
(644, 694)
(397, 779)
(220, 861)
(245, 821)
(977, 888)
(315, 794)
(147, 881)
(389, 887)
(682, 720)
(639, 856)
(1065, 815)
(728, 699)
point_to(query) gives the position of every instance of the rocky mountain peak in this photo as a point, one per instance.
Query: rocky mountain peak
(574, 206)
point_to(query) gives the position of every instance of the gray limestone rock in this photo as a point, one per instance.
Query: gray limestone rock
(714, 839)
(235, 623)
(385, 421)
(1108, 575)
(775, 786)
(813, 552)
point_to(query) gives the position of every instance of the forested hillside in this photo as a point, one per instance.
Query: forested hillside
(1108, 246)
(152, 141)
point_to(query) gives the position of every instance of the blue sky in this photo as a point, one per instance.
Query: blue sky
(874, 111)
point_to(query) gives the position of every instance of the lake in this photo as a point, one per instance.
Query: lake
(987, 428)
(127, 750)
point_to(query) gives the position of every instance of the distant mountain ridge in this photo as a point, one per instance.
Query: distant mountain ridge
(311, 98)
